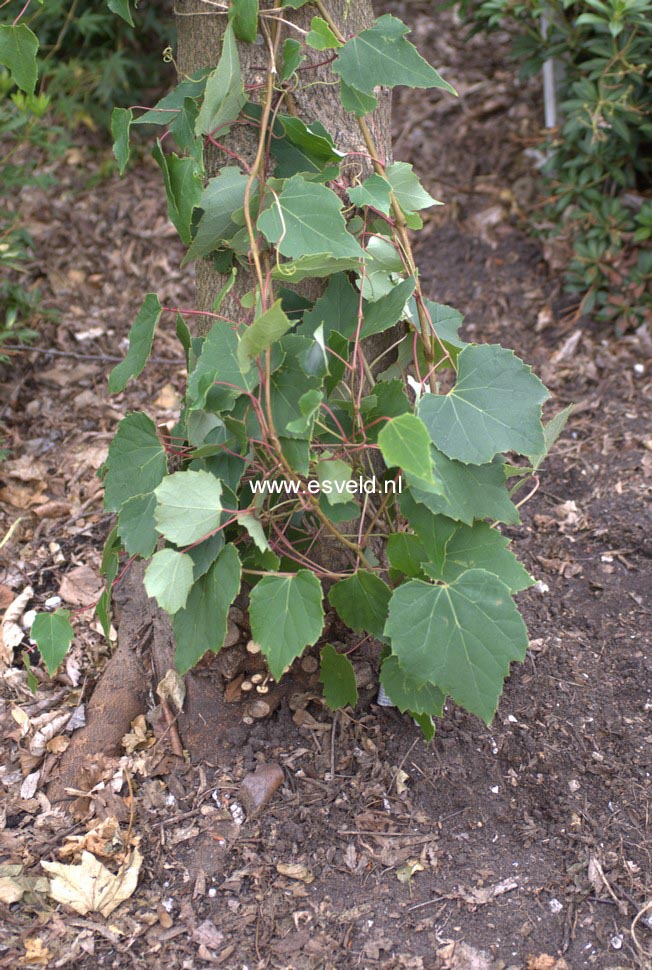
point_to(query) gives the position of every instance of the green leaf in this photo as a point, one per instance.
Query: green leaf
(336, 309)
(182, 129)
(243, 15)
(141, 337)
(137, 527)
(219, 369)
(495, 406)
(288, 385)
(18, 49)
(321, 37)
(333, 478)
(122, 9)
(286, 616)
(406, 554)
(375, 192)
(307, 149)
(551, 431)
(469, 491)
(338, 677)
(255, 530)
(223, 196)
(225, 96)
(168, 579)
(201, 625)
(407, 694)
(183, 188)
(292, 58)
(388, 310)
(109, 569)
(166, 110)
(461, 638)
(409, 192)
(310, 267)
(434, 531)
(357, 102)
(391, 401)
(446, 321)
(383, 263)
(306, 220)
(262, 333)
(204, 555)
(361, 602)
(404, 443)
(121, 120)
(296, 452)
(426, 725)
(480, 547)
(309, 403)
(189, 506)
(381, 56)
(53, 634)
(136, 462)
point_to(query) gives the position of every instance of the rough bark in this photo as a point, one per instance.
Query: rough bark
(120, 696)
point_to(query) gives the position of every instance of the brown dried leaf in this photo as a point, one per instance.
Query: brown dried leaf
(295, 870)
(36, 953)
(90, 887)
(80, 587)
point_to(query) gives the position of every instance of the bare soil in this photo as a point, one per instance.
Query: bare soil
(526, 845)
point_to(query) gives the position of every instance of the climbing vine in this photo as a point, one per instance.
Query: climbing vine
(294, 429)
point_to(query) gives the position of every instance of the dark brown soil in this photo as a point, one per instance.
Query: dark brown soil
(528, 842)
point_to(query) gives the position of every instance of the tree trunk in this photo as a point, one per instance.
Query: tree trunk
(200, 30)
(208, 728)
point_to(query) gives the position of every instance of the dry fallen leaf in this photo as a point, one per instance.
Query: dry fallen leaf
(461, 956)
(49, 725)
(80, 587)
(90, 887)
(295, 870)
(546, 962)
(36, 953)
(138, 737)
(104, 839)
(11, 632)
(402, 778)
(208, 934)
(13, 884)
(173, 690)
(484, 895)
(168, 398)
(405, 873)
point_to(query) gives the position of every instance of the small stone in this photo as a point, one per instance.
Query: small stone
(28, 619)
(258, 788)
(555, 906)
(233, 635)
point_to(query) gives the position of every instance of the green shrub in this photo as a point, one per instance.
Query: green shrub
(91, 60)
(25, 139)
(599, 162)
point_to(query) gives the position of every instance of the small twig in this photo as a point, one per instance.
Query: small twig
(104, 358)
(172, 729)
(639, 949)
